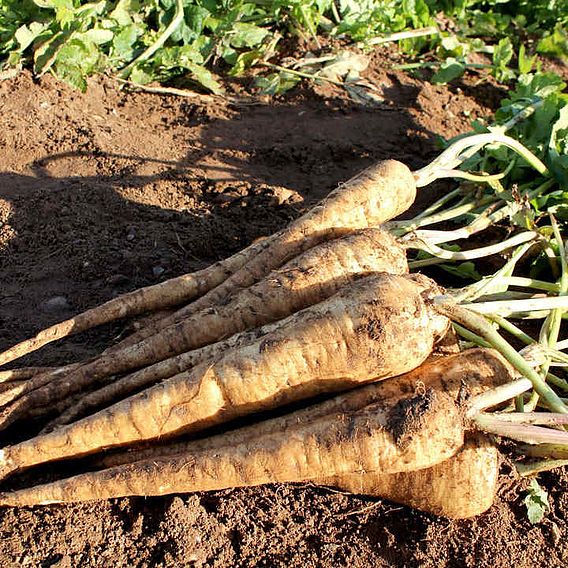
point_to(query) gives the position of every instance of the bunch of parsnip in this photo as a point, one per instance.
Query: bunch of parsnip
(321, 307)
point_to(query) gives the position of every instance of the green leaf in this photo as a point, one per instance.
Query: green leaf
(192, 25)
(526, 63)
(451, 46)
(98, 36)
(449, 70)
(80, 53)
(195, 17)
(64, 12)
(76, 60)
(558, 147)
(122, 11)
(204, 77)
(536, 502)
(45, 53)
(464, 270)
(245, 61)
(555, 44)
(123, 43)
(276, 83)
(246, 35)
(141, 74)
(178, 57)
(73, 76)
(539, 85)
(26, 35)
(503, 53)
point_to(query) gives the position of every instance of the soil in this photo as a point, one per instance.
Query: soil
(107, 191)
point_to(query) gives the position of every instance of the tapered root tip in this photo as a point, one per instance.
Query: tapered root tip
(14, 499)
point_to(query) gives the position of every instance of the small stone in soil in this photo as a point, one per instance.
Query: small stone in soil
(157, 271)
(117, 279)
(55, 304)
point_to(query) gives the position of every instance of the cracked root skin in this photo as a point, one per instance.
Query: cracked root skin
(306, 280)
(379, 327)
(460, 375)
(336, 443)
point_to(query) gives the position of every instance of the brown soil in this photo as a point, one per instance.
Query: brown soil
(108, 191)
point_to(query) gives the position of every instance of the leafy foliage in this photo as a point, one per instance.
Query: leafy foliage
(536, 502)
(74, 38)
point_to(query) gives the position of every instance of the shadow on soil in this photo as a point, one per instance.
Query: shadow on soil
(89, 236)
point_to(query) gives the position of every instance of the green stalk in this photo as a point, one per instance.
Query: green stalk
(554, 451)
(452, 157)
(446, 198)
(479, 325)
(497, 395)
(414, 264)
(496, 281)
(551, 326)
(557, 382)
(124, 73)
(519, 117)
(524, 282)
(481, 178)
(470, 336)
(535, 307)
(481, 222)
(398, 36)
(540, 418)
(445, 215)
(314, 77)
(526, 433)
(416, 243)
(511, 328)
(536, 467)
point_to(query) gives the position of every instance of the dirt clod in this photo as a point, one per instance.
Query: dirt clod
(408, 415)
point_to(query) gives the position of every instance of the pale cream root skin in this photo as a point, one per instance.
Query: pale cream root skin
(304, 281)
(308, 279)
(462, 486)
(148, 376)
(380, 192)
(379, 327)
(377, 194)
(336, 443)
(468, 373)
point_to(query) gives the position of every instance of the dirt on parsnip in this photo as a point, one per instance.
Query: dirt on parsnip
(107, 191)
